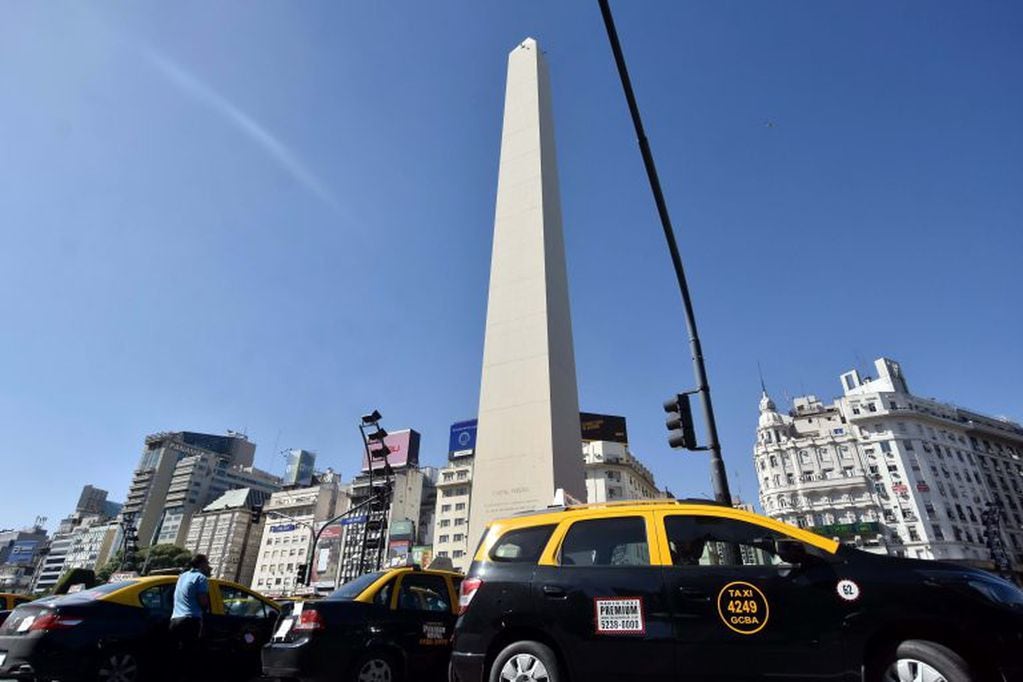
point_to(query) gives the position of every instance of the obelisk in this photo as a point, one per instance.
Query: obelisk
(528, 443)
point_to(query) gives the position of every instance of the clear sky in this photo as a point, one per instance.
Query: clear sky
(273, 217)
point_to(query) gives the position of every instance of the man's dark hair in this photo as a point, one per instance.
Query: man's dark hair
(198, 560)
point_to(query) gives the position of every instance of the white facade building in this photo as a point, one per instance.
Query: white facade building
(286, 543)
(891, 471)
(613, 473)
(451, 529)
(225, 532)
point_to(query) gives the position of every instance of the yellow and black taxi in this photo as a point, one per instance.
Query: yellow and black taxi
(671, 590)
(119, 631)
(9, 600)
(380, 627)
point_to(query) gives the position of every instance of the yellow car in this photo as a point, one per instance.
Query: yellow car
(119, 631)
(9, 600)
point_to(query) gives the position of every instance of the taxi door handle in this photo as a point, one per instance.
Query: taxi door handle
(554, 592)
(693, 594)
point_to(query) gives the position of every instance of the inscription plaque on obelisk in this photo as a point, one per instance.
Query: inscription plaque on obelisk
(528, 443)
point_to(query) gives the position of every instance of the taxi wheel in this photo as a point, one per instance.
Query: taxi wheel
(118, 666)
(919, 661)
(525, 662)
(376, 666)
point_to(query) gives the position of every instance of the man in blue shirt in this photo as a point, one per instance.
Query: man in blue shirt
(191, 601)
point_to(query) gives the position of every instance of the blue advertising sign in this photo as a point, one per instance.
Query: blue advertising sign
(352, 520)
(23, 553)
(463, 439)
(282, 528)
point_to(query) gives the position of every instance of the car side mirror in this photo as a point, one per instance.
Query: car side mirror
(791, 551)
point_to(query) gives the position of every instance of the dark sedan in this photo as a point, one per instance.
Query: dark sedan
(119, 631)
(380, 627)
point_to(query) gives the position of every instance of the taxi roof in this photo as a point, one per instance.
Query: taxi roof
(558, 514)
(139, 583)
(417, 569)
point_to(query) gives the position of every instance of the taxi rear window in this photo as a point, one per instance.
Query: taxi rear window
(353, 588)
(522, 546)
(95, 592)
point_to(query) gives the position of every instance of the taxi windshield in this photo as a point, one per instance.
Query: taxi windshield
(353, 588)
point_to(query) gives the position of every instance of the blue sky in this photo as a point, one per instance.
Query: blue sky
(273, 217)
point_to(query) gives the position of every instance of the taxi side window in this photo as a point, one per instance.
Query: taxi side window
(522, 546)
(383, 595)
(606, 542)
(158, 600)
(242, 604)
(702, 540)
(423, 593)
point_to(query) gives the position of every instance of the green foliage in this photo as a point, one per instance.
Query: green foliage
(74, 577)
(111, 566)
(165, 556)
(160, 557)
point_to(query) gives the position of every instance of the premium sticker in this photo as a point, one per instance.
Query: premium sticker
(434, 633)
(619, 616)
(743, 607)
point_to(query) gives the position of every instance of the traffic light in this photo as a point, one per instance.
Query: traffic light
(300, 574)
(256, 514)
(681, 434)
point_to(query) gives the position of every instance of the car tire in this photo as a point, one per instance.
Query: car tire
(119, 665)
(376, 666)
(525, 660)
(918, 660)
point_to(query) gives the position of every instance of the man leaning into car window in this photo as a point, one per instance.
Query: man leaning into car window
(191, 601)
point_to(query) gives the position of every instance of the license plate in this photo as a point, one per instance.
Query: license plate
(284, 629)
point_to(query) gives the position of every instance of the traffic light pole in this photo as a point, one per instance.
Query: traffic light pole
(718, 475)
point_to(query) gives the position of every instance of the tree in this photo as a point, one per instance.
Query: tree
(112, 565)
(155, 558)
(165, 556)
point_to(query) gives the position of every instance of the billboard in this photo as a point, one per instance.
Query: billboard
(326, 560)
(603, 427)
(403, 451)
(398, 552)
(422, 555)
(23, 553)
(462, 442)
(402, 530)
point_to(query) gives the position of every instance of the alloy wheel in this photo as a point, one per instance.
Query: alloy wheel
(524, 668)
(912, 670)
(375, 670)
(118, 667)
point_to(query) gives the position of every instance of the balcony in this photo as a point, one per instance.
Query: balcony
(832, 482)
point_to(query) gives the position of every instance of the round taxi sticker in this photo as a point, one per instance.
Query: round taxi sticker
(743, 607)
(848, 590)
